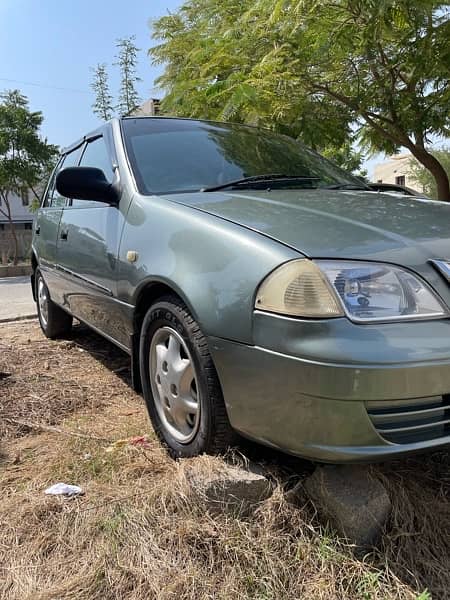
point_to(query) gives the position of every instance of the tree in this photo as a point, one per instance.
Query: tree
(127, 62)
(346, 157)
(321, 69)
(24, 156)
(103, 103)
(210, 58)
(424, 178)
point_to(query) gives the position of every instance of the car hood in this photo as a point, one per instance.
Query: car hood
(331, 224)
(339, 223)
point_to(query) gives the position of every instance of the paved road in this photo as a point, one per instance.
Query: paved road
(16, 299)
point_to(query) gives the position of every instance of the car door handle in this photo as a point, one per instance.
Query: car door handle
(64, 234)
(37, 231)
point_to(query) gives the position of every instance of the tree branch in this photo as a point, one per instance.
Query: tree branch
(398, 137)
(36, 195)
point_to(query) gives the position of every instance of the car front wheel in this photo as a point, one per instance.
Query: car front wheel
(54, 321)
(180, 383)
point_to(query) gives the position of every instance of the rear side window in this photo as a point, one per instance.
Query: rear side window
(95, 155)
(50, 186)
(53, 197)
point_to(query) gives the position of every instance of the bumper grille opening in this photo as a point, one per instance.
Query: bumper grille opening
(412, 420)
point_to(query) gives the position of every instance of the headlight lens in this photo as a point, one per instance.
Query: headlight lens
(366, 292)
(380, 292)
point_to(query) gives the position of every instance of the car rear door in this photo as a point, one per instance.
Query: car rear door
(46, 226)
(87, 247)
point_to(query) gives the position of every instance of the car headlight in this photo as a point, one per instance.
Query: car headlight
(365, 292)
(299, 288)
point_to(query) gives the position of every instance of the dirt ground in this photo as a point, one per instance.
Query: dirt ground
(67, 413)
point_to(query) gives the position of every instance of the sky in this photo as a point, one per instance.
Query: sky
(54, 43)
(48, 47)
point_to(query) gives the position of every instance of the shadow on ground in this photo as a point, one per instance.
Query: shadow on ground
(107, 353)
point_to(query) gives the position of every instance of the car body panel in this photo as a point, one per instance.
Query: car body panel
(45, 233)
(352, 223)
(268, 400)
(342, 224)
(87, 259)
(215, 266)
(303, 384)
(341, 341)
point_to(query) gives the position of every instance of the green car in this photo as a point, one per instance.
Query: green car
(258, 288)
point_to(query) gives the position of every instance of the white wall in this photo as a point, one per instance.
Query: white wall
(18, 211)
(396, 166)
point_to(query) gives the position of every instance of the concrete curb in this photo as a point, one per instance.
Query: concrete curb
(20, 318)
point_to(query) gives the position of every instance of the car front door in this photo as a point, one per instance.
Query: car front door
(87, 248)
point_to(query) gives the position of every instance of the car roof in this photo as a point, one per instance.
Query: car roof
(100, 130)
(212, 121)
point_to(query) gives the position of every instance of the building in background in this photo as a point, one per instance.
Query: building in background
(397, 170)
(150, 108)
(22, 218)
(21, 214)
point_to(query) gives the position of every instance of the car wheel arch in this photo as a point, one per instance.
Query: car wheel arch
(148, 294)
(151, 292)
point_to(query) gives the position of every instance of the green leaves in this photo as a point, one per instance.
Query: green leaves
(319, 69)
(25, 158)
(24, 155)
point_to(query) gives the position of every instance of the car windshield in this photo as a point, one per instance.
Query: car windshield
(181, 155)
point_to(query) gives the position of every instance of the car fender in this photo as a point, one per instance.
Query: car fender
(214, 265)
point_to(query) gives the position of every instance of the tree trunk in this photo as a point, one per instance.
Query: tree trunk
(436, 169)
(16, 243)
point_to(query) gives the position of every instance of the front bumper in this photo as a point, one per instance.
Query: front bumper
(327, 391)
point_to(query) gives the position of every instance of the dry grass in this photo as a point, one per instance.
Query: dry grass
(418, 540)
(141, 532)
(49, 380)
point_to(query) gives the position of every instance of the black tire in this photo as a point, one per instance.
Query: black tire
(214, 434)
(57, 322)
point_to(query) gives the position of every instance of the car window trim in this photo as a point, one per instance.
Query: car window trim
(51, 182)
(127, 158)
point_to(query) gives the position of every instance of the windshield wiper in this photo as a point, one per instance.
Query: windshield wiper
(346, 186)
(269, 177)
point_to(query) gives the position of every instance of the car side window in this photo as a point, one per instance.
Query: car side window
(47, 201)
(71, 159)
(95, 155)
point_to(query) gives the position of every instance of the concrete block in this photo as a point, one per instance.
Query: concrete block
(230, 488)
(356, 505)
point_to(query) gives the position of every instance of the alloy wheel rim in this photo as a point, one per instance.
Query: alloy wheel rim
(43, 301)
(174, 385)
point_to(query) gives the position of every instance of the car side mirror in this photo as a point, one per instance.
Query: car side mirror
(86, 183)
